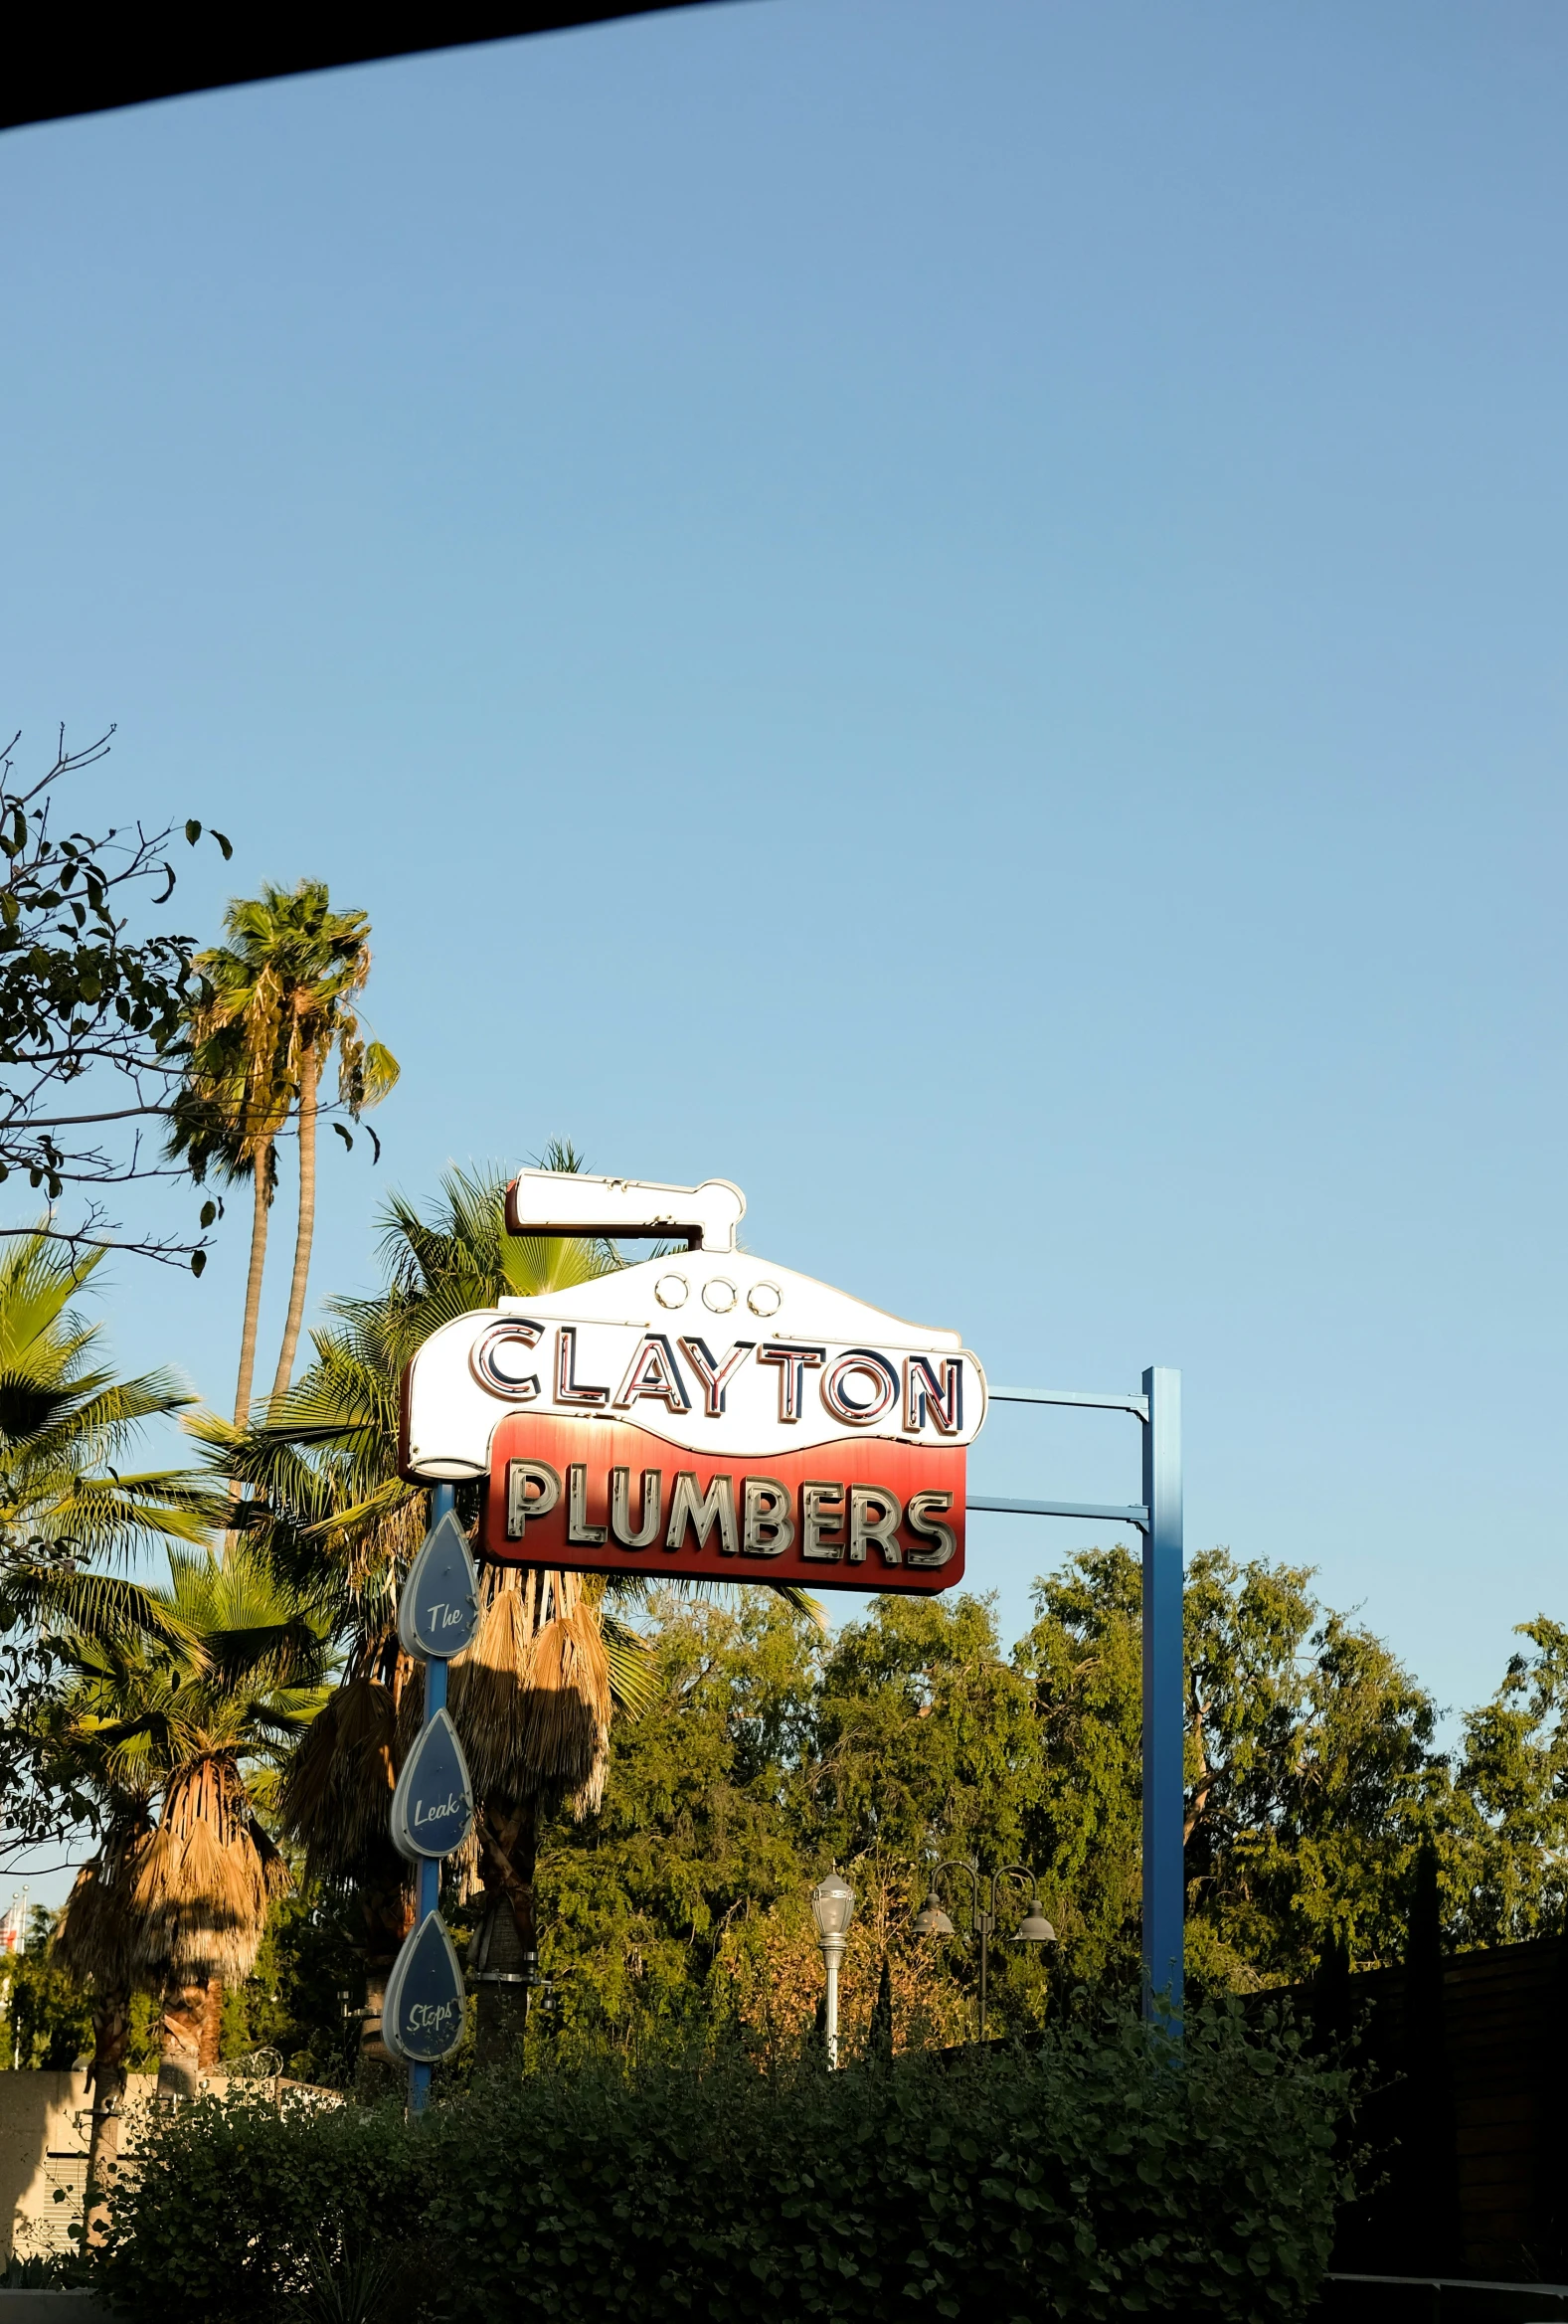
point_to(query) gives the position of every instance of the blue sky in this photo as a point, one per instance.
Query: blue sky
(950, 609)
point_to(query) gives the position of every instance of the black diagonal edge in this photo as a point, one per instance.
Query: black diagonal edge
(58, 60)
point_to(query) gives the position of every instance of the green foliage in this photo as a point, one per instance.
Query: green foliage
(768, 1753)
(700, 1828)
(1310, 1771)
(1084, 1658)
(1090, 2178)
(70, 1504)
(78, 998)
(300, 1997)
(279, 992)
(675, 1916)
(48, 2018)
(234, 2198)
(923, 1728)
(1507, 1842)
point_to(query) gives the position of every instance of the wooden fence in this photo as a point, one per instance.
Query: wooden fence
(1466, 2115)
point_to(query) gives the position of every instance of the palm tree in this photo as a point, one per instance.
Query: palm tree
(275, 1002)
(327, 956)
(66, 1421)
(93, 1940)
(196, 1720)
(67, 1510)
(232, 1109)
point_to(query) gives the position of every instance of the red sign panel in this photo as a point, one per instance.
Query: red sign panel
(598, 1495)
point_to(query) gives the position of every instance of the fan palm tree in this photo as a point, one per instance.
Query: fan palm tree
(196, 1720)
(326, 956)
(232, 1107)
(94, 1941)
(66, 1509)
(276, 1002)
(64, 1420)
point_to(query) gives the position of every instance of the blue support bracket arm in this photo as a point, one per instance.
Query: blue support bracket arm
(1159, 1519)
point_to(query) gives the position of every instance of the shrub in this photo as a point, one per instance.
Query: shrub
(1091, 2177)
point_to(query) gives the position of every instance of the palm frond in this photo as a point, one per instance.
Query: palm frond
(96, 1608)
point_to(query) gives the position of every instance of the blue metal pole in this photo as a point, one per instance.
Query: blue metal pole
(444, 1498)
(1164, 1737)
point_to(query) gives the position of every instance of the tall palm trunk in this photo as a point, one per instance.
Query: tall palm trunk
(110, 2040)
(179, 2067)
(386, 1909)
(212, 2025)
(253, 1288)
(509, 1847)
(309, 1084)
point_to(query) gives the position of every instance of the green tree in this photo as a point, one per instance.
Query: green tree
(1311, 1772)
(48, 2021)
(704, 1828)
(69, 1508)
(1312, 1775)
(91, 1017)
(1083, 1660)
(679, 1905)
(1506, 1849)
(323, 961)
(768, 1753)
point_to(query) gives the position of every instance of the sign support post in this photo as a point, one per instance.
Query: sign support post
(1164, 1734)
(444, 1500)
(778, 1429)
(1159, 1519)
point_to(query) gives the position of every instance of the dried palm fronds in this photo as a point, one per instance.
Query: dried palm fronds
(94, 1936)
(531, 1695)
(337, 1794)
(203, 1883)
(563, 1718)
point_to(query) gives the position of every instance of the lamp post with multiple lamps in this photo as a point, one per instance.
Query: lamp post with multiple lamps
(1034, 1929)
(833, 1908)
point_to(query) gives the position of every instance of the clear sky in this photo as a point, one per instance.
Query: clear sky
(950, 609)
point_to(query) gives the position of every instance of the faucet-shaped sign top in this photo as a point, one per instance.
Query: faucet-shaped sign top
(439, 1608)
(433, 1806)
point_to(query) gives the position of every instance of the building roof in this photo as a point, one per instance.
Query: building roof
(60, 61)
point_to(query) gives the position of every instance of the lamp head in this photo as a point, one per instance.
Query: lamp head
(931, 1920)
(1034, 1929)
(832, 1905)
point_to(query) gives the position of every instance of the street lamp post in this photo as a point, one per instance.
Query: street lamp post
(1034, 1929)
(833, 1908)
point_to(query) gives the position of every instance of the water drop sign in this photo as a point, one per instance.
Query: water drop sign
(439, 1609)
(424, 2008)
(433, 1806)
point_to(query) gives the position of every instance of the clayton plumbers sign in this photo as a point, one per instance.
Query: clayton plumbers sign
(701, 1413)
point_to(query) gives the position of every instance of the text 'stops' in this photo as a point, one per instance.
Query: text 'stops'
(423, 2013)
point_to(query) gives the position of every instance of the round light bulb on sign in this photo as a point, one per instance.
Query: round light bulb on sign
(439, 1605)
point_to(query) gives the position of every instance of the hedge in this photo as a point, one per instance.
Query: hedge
(1092, 2176)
